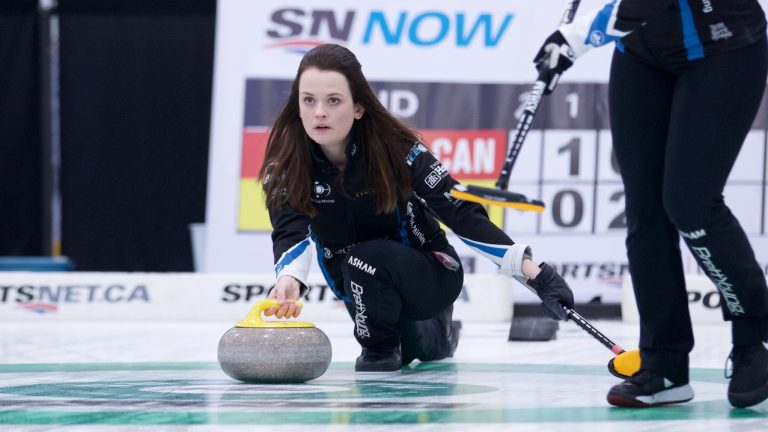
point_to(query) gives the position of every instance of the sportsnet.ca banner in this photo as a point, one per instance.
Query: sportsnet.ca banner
(227, 297)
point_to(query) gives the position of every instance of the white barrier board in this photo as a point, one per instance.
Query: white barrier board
(54, 296)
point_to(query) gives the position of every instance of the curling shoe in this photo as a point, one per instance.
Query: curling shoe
(749, 376)
(647, 389)
(379, 361)
(454, 331)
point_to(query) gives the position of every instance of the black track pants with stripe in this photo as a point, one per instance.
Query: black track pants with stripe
(676, 134)
(400, 296)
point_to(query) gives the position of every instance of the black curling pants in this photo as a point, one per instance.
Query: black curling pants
(676, 133)
(401, 296)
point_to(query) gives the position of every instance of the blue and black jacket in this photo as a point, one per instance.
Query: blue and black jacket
(669, 32)
(346, 218)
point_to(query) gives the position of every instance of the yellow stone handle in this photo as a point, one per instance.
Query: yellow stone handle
(253, 319)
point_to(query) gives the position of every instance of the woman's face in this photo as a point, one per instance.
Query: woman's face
(326, 108)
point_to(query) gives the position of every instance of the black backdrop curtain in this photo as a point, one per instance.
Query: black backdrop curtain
(136, 80)
(21, 195)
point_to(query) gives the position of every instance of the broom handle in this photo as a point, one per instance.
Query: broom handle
(529, 110)
(589, 328)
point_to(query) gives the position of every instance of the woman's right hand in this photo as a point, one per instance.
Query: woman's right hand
(286, 291)
(551, 288)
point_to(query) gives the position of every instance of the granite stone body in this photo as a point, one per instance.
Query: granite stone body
(274, 355)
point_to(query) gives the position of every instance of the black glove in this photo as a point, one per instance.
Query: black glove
(553, 292)
(554, 57)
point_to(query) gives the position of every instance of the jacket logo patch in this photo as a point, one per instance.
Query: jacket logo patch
(412, 223)
(415, 151)
(720, 32)
(597, 38)
(320, 192)
(438, 173)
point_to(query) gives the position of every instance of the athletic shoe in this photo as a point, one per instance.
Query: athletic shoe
(647, 389)
(749, 377)
(378, 361)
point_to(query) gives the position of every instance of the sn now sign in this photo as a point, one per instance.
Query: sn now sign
(470, 156)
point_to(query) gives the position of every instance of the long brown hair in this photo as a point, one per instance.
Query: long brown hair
(287, 170)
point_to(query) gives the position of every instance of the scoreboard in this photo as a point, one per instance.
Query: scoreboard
(567, 160)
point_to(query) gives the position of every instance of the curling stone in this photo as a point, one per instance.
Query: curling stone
(258, 351)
